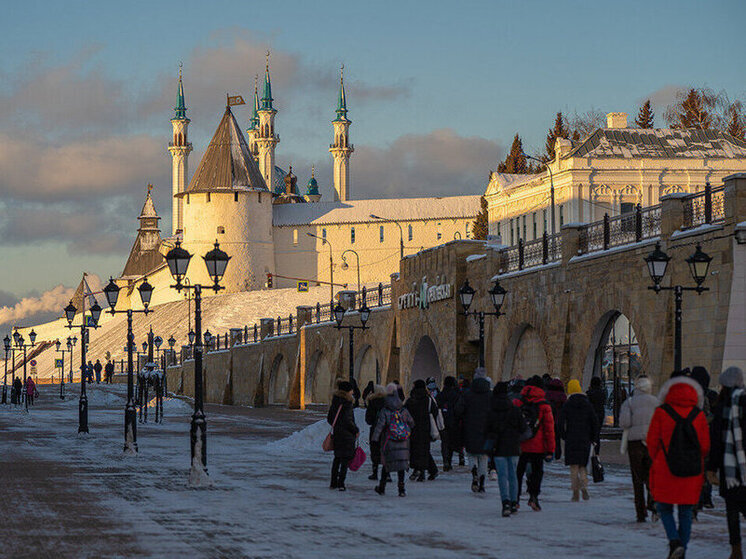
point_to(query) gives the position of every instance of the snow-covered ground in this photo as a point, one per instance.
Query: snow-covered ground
(77, 496)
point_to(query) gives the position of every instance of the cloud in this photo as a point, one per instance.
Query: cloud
(34, 310)
(663, 97)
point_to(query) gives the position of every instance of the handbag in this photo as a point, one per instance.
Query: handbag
(625, 442)
(328, 444)
(436, 421)
(597, 469)
(358, 459)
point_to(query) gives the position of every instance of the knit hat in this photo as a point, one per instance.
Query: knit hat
(345, 386)
(392, 388)
(480, 372)
(535, 381)
(573, 387)
(449, 382)
(643, 384)
(701, 375)
(500, 388)
(419, 383)
(732, 377)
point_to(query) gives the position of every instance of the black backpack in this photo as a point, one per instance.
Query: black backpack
(530, 413)
(684, 455)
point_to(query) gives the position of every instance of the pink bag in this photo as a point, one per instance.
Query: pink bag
(328, 444)
(357, 460)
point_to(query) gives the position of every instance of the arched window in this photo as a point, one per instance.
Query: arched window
(221, 230)
(410, 231)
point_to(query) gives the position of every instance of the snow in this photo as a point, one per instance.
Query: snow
(473, 257)
(309, 439)
(699, 230)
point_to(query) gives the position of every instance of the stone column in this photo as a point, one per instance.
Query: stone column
(305, 315)
(570, 233)
(672, 213)
(735, 197)
(266, 327)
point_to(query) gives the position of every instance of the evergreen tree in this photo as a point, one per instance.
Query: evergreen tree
(693, 110)
(737, 123)
(515, 162)
(560, 130)
(480, 228)
(645, 116)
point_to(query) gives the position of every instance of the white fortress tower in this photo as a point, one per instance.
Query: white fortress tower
(341, 149)
(180, 149)
(266, 139)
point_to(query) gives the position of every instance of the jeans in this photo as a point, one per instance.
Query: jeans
(734, 508)
(480, 461)
(534, 462)
(669, 524)
(507, 478)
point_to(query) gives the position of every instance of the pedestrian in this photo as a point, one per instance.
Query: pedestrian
(450, 438)
(368, 390)
(578, 427)
(701, 375)
(355, 393)
(98, 368)
(597, 397)
(399, 390)
(89, 372)
(472, 409)
(555, 393)
(634, 417)
(505, 425)
(15, 395)
(420, 407)
(432, 387)
(540, 442)
(393, 431)
(344, 432)
(726, 433)
(30, 391)
(109, 371)
(678, 440)
(374, 405)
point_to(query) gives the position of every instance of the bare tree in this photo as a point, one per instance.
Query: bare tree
(588, 122)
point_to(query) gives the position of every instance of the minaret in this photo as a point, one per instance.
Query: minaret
(266, 139)
(341, 149)
(312, 190)
(180, 149)
(253, 128)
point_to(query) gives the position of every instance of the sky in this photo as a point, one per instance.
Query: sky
(436, 90)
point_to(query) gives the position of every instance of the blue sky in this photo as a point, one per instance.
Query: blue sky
(436, 91)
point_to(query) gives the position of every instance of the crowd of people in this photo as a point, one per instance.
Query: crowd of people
(679, 444)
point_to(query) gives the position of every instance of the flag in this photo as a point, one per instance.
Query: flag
(235, 100)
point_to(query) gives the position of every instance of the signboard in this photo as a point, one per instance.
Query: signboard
(33, 370)
(302, 287)
(32, 362)
(58, 363)
(425, 295)
(89, 322)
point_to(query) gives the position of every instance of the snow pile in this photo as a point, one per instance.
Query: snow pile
(99, 396)
(177, 406)
(310, 438)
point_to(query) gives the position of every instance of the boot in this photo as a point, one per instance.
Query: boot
(735, 552)
(402, 491)
(514, 507)
(575, 496)
(461, 461)
(481, 484)
(585, 494)
(421, 476)
(506, 508)
(432, 476)
(474, 480)
(676, 550)
(381, 487)
(334, 483)
(533, 502)
(374, 475)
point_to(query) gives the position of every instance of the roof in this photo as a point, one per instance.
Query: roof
(180, 108)
(227, 163)
(670, 143)
(141, 262)
(148, 208)
(359, 211)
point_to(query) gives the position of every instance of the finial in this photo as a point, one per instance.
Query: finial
(256, 85)
(342, 73)
(180, 66)
(313, 170)
(150, 188)
(266, 67)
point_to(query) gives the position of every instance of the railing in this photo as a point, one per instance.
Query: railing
(704, 207)
(624, 229)
(535, 253)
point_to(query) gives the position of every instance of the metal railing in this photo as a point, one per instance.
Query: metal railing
(534, 253)
(704, 207)
(624, 229)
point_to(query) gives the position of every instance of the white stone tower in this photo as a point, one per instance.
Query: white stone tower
(266, 139)
(341, 149)
(253, 130)
(180, 149)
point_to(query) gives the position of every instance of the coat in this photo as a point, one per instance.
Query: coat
(374, 405)
(597, 398)
(30, 386)
(682, 394)
(419, 406)
(636, 414)
(578, 427)
(447, 400)
(345, 430)
(505, 424)
(718, 430)
(472, 409)
(394, 454)
(543, 442)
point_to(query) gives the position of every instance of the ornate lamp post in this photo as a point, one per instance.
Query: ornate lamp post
(216, 261)
(401, 233)
(157, 342)
(6, 346)
(497, 296)
(339, 314)
(22, 345)
(62, 350)
(70, 312)
(699, 265)
(345, 266)
(130, 413)
(331, 266)
(171, 344)
(551, 187)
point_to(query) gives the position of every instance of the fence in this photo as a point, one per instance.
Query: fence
(704, 207)
(624, 229)
(528, 255)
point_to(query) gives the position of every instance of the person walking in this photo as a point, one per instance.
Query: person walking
(472, 409)
(678, 440)
(726, 429)
(450, 439)
(578, 427)
(109, 371)
(392, 432)
(420, 407)
(597, 397)
(344, 432)
(89, 372)
(701, 375)
(505, 425)
(30, 391)
(97, 369)
(540, 442)
(368, 390)
(634, 417)
(555, 394)
(16, 389)
(432, 387)
(373, 406)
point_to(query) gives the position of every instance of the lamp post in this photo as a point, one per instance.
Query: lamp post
(22, 345)
(6, 346)
(339, 314)
(497, 296)
(171, 344)
(70, 312)
(345, 266)
(699, 265)
(331, 266)
(216, 261)
(69, 350)
(401, 233)
(551, 186)
(130, 413)
(157, 342)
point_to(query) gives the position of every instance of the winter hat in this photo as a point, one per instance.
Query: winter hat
(392, 388)
(732, 377)
(345, 386)
(535, 381)
(573, 387)
(643, 384)
(449, 382)
(378, 389)
(480, 372)
(701, 375)
(500, 388)
(596, 382)
(419, 383)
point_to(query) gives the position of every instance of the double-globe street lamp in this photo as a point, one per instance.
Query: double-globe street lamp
(339, 314)
(6, 346)
(497, 296)
(345, 266)
(401, 233)
(22, 345)
(331, 266)
(216, 261)
(699, 265)
(111, 291)
(69, 344)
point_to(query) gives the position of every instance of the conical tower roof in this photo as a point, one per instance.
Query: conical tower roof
(148, 208)
(227, 163)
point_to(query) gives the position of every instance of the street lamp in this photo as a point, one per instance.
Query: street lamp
(216, 261)
(171, 344)
(6, 346)
(331, 266)
(699, 264)
(401, 233)
(339, 314)
(62, 350)
(551, 187)
(22, 345)
(497, 296)
(130, 413)
(345, 266)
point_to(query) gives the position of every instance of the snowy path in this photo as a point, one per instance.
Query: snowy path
(79, 497)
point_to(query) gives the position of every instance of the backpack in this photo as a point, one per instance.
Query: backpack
(532, 418)
(684, 455)
(399, 430)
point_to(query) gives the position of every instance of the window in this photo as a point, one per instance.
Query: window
(221, 230)
(512, 238)
(323, 233)
(295, 236)
(562, 214)
(544, 215)
(533, 221)
(260, 197)
(380, 233)
(627, 207)
(468, 229)
(352, 235)
(235, 196)
(524, 228)
(411, 232)
(498, 230)
(628, 221)
(208, 196)
(438, 233)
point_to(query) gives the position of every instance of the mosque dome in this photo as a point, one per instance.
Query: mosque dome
(313, 187)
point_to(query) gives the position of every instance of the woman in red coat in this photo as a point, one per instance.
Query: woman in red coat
(682, 395)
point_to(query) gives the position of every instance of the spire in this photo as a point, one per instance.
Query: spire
(180, 107)
(313, 187)
(254, 120)
(342, 99)
(267, 96)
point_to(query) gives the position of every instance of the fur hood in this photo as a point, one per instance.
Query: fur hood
(377, 394)
(666, 388)
(344, 395)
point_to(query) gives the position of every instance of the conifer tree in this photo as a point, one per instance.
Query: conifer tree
(693, 110)
(480, 228)
(737, 123)
(515, 162)
(645, 116)
(560, 130)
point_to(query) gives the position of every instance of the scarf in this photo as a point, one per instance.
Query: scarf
(734, 458)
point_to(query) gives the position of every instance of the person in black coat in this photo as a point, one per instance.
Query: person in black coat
(369, 388)
(578, 427)
(374, 404)
(597, 397)
(473, 409)
(420, 407)
(450, 438)
(344, 432)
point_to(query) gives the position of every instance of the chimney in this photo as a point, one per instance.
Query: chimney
(616, 120)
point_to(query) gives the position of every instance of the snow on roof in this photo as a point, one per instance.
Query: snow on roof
(359, 211)
(507, 181)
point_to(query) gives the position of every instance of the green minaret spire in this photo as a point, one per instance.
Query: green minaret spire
(254, 120)
(342, 99)
(267, 96)
(180, 108)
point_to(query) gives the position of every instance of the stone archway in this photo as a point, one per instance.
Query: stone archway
(526, 355)
(426, 362)
(279, 381)
(367, 367)
(319, 380)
